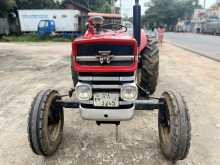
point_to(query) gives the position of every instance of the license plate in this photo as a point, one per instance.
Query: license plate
(106, 99)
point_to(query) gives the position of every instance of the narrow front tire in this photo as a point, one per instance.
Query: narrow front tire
(45, 123)
(174, 127)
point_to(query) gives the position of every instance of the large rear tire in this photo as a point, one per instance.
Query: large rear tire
(45, 123)
(174, 127)
(149, 70)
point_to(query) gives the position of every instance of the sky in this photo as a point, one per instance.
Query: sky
(127, 6)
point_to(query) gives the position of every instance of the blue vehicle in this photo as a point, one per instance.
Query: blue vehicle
(46, 27)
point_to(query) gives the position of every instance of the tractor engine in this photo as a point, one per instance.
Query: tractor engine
(104, 67)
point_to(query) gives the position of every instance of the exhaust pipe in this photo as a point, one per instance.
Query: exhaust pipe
(137, 21)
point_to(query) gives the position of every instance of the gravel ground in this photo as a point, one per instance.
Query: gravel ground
(28, 67)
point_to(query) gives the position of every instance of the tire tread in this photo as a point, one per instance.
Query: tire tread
(149, 68)
(36, 122)
(180, 136)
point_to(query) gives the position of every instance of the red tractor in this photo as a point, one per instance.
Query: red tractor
(114, 73)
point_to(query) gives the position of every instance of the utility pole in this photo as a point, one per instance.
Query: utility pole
(204, 4)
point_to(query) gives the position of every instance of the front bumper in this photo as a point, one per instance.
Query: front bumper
(107, 84)
(110, 83)
(107, 114)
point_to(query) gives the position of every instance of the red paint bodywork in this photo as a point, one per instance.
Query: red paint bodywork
(113, 38)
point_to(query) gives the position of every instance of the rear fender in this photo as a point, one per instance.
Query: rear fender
(144, 41)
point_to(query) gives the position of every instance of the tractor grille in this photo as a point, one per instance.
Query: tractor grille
(97, 63)
(92, 49)
(107, 82)
(123, 55)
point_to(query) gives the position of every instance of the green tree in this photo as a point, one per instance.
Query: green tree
(36, 4)
(167, 12)
(81, 2)
(5, 7)
(101, 6)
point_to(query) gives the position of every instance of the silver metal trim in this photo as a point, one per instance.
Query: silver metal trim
(85, 78)
(114, 58)
(106, 86)
(96, 78)
(113, 114)
(151, 101)
(130, 78)
(100, 86)
(106, 78)
(90, 102)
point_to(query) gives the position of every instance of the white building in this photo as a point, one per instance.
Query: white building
(198, 20)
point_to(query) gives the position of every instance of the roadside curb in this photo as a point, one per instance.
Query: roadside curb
(193, 51)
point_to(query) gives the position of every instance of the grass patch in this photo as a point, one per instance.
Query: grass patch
(34, 38)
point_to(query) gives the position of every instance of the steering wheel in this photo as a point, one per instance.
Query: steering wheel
(114, 27)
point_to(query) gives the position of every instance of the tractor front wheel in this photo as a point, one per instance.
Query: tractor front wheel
(174, 127)
(45, 123)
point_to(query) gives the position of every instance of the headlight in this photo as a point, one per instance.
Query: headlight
(83, 91)
(129, 92)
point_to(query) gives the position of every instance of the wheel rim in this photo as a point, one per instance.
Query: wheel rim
(54, 121)
(165, 124)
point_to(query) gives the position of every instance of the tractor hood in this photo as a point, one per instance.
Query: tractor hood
(86, 49)
(110, 37)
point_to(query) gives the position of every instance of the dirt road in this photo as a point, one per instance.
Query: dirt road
(27, 68)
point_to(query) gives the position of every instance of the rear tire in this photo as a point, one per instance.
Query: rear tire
(45, 123)
(149, 71)
(174, 127)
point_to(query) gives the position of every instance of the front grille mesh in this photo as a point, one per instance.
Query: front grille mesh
(108, 74)
(107, 88)
(115, 63)
(88, 52)
(92, 49)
